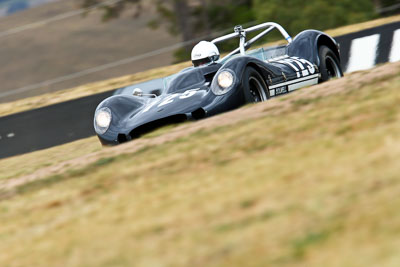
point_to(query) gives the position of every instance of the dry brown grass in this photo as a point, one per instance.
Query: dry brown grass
(308, 179)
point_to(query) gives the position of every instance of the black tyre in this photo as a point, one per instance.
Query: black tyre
(330, 64)
(255, 89)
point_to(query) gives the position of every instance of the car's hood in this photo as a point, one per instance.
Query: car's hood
(166, 106)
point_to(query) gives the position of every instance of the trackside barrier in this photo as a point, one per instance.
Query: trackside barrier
(73, 120)
(364, 49)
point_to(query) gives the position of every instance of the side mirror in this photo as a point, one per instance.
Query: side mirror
(137, 92)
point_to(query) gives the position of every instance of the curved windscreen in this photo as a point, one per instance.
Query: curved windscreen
(183, 81)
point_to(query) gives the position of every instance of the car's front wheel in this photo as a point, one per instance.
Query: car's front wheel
(330, 64)
(255, 89)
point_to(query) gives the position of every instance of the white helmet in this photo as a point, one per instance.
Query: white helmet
(204, 52)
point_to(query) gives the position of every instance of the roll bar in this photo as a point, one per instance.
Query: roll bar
(241, 33)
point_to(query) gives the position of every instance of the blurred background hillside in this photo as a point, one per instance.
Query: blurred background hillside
(8, 7)
(49, 45)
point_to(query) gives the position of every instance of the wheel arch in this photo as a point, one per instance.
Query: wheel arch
(307, 43)
(324, 40)
(255, 66)
(259, 69)
(263, 74)
(239, 66)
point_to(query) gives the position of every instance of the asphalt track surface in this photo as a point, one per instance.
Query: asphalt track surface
(48, 126)
(73, 120)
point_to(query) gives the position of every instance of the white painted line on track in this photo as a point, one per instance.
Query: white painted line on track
(363, 53)
(395, 51)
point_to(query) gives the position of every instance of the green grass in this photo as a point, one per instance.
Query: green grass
(312, 184)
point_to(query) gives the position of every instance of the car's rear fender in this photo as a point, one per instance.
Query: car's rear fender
(307, 43)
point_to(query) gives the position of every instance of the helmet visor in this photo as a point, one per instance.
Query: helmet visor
(204, 61)
(201, 61)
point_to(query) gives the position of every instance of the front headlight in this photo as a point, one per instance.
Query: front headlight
(225, 81)
(102, 120)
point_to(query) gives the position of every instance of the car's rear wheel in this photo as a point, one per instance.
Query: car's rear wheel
(255, 89)
(330, 64)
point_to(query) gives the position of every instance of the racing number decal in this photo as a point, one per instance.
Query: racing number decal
(185, 95)
(149, 106)
(167, 100)
(304, 68)
(189, 93)
(310, 67)
(170, 99)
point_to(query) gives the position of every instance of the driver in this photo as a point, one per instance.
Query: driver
(204, 53)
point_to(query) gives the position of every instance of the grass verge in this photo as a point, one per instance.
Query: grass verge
(312, 184)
